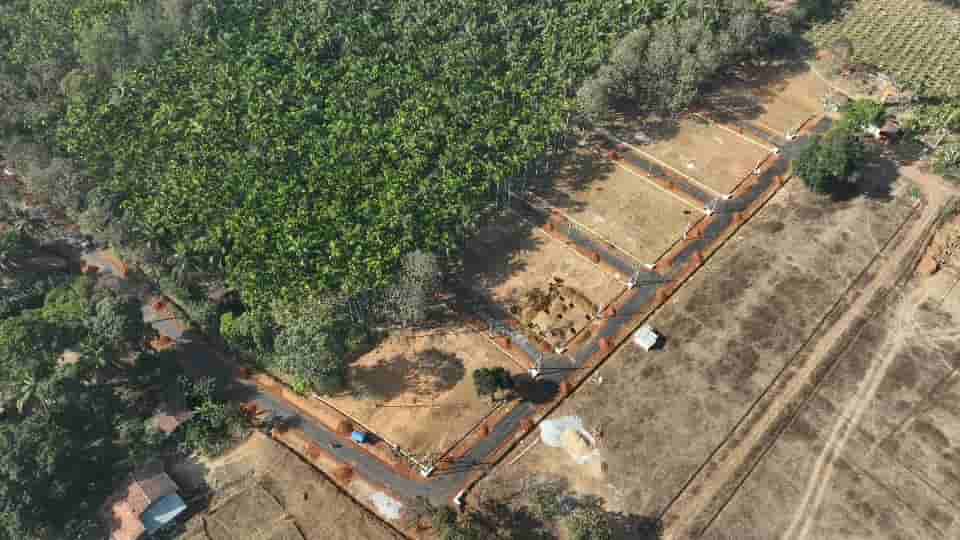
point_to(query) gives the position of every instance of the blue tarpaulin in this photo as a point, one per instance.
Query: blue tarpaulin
(359, 437)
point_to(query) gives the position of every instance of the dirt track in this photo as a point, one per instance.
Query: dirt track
(694, 508)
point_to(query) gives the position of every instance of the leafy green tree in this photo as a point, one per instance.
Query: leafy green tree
(828, 161)
(56, 463)
(118, 322)
(946, 160)
(545, 501)
(14, 246)
(29, 347)
(817, 10)
(251, 331)
(313, 349)
(71, 304)
(863, 115)
(407, 301)
(450, 526)
(488, 381)
(215, 424)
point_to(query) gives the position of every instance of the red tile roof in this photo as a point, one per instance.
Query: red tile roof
(123, 509)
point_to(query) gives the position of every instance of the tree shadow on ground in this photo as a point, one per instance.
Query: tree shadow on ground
(878, 178)
(429, 372)
(496, 253)
(740, 93)
(536, 391)
(575, 171)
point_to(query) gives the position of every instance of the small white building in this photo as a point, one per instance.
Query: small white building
(646, 337)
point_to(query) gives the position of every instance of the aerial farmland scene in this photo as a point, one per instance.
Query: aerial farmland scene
(480, 269)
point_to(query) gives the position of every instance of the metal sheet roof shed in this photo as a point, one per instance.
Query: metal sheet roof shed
(162, 512)
(646, 337)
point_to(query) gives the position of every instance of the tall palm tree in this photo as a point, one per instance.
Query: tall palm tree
(677, 10)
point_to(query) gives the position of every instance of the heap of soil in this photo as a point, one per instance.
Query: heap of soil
(556, 314)
(944, 249)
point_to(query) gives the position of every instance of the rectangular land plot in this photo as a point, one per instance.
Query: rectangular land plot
(776, 101)
(705, 152)
(417, 390)
(510, 257)
(624, 209)
(551, 289)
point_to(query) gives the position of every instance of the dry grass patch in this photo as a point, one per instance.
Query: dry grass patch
(866, 460)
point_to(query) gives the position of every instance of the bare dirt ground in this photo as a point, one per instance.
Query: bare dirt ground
(659, 415)
(262, 490)
(620, 207)
(510, 257)
(693, 147)
(770, 97)
(872, 454)
(416, 388)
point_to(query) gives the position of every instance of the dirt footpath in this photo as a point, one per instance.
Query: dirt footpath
(697, 505)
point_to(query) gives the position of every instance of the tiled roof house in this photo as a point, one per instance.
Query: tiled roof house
(147, 502)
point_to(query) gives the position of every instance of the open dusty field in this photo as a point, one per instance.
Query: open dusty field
(774, 98)
(262, 490)
(698, 149)
(657, 416)
(874, 454)
(623, 208)
(914, 40)
(510, 262)
(417, 390)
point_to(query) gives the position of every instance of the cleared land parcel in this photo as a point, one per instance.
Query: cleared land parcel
(619, 206)
(770, 98)
(874, 452)
(521, 271)
(698, 149)
(417, 391)
(263, 490)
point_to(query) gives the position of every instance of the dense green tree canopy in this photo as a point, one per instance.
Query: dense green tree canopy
(309, 145)
(829, 160)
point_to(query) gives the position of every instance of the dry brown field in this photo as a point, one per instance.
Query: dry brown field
(416, 388)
